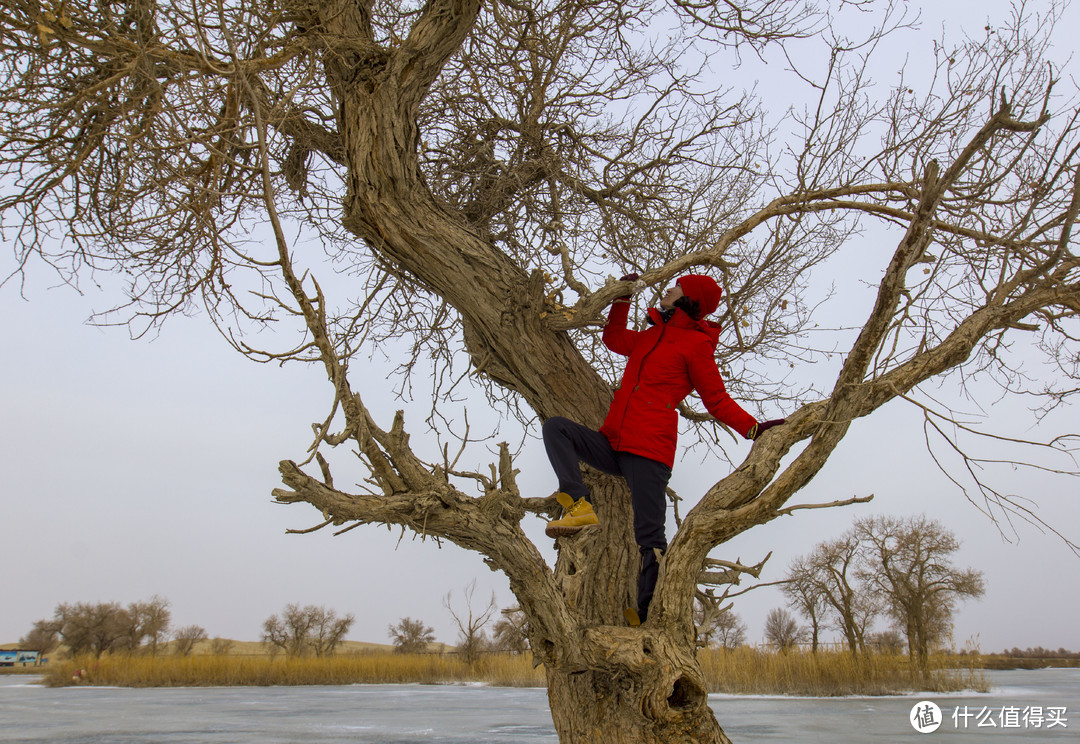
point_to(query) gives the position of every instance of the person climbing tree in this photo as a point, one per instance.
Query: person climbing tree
(638, 438)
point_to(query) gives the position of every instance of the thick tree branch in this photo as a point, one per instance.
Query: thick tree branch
(713, 520)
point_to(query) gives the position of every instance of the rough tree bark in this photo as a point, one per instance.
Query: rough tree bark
(150, 133)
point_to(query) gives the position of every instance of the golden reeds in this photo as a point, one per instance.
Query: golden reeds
(503, 670)
(744, 670)
(831, 672)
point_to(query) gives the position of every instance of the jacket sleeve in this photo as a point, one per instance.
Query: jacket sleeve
(617, 336)
(706, 379)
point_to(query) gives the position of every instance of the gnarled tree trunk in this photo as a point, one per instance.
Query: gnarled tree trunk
(643, 687)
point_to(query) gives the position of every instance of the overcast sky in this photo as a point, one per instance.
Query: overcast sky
(135, 468)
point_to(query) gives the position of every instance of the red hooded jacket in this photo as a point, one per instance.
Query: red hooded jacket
(666, 363)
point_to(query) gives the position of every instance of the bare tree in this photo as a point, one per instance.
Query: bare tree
(511, 632)
(411, 636)
(471, 621)
(888, 641)
(185, 638)
(148, 622)
(221, 646)
(291, 631)
(782, 631)
(730, 630)
(910, 568)
(288, 631)
(807, 596)
(899, 566)
(44, 637)
(723, 628)
(299, 630)
(327, 630)
(830, 576)
(94, 628)
(477, 172)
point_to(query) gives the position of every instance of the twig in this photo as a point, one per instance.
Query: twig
(310, 529)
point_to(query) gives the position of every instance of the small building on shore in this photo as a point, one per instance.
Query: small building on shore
(13, 657)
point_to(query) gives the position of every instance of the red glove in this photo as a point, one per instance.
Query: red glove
(628, 278)
(763, 426)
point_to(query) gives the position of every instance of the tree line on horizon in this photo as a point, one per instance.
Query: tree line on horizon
(145, 627)
(897, 569)
(99, 628)
(108, 627)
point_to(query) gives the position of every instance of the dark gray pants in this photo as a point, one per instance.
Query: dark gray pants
(569, 443)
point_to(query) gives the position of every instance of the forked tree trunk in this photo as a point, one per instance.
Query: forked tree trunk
(636, 685)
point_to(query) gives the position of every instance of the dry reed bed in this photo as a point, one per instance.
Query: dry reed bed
(502, 670)
(744, 670)
(756, 671)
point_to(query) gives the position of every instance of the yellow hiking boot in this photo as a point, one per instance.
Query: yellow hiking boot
(579, 514)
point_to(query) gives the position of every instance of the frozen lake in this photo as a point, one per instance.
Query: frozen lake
(1025, 706)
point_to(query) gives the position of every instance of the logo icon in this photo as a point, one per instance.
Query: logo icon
(925, 717)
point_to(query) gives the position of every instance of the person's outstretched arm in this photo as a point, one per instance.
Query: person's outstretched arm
(617, 336)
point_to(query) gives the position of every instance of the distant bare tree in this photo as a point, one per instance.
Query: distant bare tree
(221, 646)
(728, 629)
(511, 632)
(185, 639)
(909, 567)
(148, 622)
(472, 640)
(327, 630)
(92, 627)
(289, 631)
(829, 575)
(888, 641)
(806, 597)
(300, 630)
(411, 636)
(781, 629)
(717, 624)
(44, 637)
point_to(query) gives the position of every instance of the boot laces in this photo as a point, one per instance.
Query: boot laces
(580, 506)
